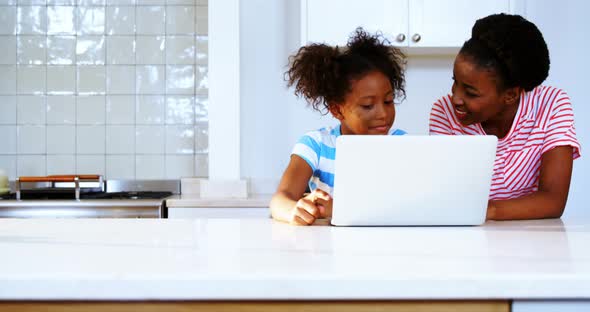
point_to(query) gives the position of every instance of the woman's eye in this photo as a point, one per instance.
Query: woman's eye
(388, 102)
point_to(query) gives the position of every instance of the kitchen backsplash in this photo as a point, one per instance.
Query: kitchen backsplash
(115, 87)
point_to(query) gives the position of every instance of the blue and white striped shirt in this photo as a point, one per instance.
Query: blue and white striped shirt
(318, 149)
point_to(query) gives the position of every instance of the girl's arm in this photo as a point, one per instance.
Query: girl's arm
(287, 204)
(549, 201)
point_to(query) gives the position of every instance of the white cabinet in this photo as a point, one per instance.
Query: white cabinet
(406, 23)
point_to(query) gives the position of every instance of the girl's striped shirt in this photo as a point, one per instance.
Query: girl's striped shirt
(318, 149)
(543, 121)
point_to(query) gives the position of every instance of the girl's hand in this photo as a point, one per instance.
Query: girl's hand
(316, 204)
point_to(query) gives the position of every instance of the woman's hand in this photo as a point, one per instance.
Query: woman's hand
(317, 204)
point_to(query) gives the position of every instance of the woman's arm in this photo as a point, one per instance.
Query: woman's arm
(287, 204)
(549, 201)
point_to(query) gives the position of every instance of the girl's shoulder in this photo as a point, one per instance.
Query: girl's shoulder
(394, 131)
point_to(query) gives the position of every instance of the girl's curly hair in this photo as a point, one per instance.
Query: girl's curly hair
(323, 74)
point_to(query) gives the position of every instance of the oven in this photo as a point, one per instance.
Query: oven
(86, 196)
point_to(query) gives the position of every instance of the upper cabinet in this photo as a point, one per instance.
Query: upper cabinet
(406, 23)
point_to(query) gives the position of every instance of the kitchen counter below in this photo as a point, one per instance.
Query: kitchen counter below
(261, 259)
(192, 201)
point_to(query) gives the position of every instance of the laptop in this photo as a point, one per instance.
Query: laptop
(412, 180)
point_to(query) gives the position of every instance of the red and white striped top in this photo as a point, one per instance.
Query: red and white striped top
(544, 120)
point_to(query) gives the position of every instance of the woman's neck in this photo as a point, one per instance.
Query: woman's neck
(501, 124)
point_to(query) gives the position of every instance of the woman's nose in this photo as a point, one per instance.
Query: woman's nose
(456, 99)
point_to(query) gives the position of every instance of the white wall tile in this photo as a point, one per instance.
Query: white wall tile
(10, 137)
(120, 20)
(31, 20)
(202, 21)
(150, 139)
(150, 50)
(91, 2)
(31, 139)
(91, 50)
(120, 79)
(8, 163)
(151, 2)
(180, 110)
(180, 139)
(91, 20)
(31, 2)
(31, 165)
(180, 50)
(201, 165)
(8, 109)
(179, 166)
(90, 139)
(61, 164)
(180, 2)
(31, 79)
(202, 137)
(90, 110)
(180, 20)
(8, 48)
(61, 20)
(150, 20)
(120, 140)
(120, 2)
(31, 109)
(7, 79)
(150, 167)
(8, 18)
(61, 139)
(150, 110)
(61, 2)
(61, 110)
(61, 50)
(202, 47)
(121, 50)
(201, 108)
(202, 80)
(120, 109)
(150, 79)
(180, 79)
(61, 79)
(91, 79)
(31, 50)
(120, 167)
(90, 164)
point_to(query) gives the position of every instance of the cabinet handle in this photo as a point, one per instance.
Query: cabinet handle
(400, 38)
(416, 37)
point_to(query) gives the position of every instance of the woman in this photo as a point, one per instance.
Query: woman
(497, 90)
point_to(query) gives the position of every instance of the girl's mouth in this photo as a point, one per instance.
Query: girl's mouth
(380, 129)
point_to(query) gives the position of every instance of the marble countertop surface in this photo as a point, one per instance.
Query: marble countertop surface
(224, 258)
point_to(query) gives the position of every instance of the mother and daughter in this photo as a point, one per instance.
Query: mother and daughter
(496, 90)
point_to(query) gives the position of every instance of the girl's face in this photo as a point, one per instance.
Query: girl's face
(368, 108)
(475, 96)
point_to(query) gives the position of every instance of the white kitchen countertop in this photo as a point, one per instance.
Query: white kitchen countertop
(194, 201)
(218, 259)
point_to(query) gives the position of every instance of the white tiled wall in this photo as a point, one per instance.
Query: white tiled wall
(114, 87)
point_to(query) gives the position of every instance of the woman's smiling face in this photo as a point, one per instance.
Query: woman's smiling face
(475, 95)
(368, 108)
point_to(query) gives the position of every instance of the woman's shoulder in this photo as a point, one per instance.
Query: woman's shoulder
(545, 99)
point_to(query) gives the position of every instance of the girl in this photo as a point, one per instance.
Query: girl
(496, 91)
(357, 85)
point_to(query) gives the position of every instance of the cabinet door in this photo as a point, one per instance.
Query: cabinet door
(332, 21)
(448, 23)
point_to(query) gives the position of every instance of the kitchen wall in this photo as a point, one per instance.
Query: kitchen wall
(273, 119)
(115, 87)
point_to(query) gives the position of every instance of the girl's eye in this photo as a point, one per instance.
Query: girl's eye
(388, 102)
(367, 106)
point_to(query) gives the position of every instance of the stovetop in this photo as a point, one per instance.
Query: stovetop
(50, 194)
